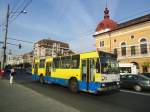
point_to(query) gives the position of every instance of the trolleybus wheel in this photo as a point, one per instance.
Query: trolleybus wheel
(73, 85)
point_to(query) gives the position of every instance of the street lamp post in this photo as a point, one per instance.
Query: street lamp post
(5, 37)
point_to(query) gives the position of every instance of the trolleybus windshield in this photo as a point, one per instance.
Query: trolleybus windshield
(108, 63)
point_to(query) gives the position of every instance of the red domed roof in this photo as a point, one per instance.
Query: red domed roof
(107, 23)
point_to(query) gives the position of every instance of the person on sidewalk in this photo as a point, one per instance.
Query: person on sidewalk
(12, 73)
(1, 73)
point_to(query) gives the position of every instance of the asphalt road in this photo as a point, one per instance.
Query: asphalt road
(26, 95)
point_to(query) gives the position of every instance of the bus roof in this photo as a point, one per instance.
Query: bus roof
(49, 59)
(92, 54)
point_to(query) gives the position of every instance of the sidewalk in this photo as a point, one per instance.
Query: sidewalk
(17, 98)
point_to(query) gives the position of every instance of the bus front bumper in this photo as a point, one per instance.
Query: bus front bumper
(109, 88)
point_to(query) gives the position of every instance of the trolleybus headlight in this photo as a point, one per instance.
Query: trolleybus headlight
(103, 85)
(117, 83)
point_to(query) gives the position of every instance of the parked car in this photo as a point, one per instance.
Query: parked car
(136, 82)
(146, 74)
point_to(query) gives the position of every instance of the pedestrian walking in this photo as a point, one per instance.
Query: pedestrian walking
(12, 73)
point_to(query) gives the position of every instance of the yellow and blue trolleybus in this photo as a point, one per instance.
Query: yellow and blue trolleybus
(91, 72)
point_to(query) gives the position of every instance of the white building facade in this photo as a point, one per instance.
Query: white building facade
(48, 47)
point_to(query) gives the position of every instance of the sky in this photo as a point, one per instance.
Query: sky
(70, 21)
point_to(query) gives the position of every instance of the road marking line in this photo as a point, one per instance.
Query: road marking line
(145, 94)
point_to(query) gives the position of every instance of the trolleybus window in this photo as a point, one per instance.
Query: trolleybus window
(75, 61)
(56, 62)
(97, 65)
(42, 63)
(48, 64)
(35, 65)
(67, 62)
(91, 69)
(36, 68)
(84, 70)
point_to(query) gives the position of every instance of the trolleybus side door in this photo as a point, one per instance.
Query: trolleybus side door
(48, 69)
(87, 73)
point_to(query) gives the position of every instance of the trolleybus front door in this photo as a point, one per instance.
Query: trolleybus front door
(87, 73)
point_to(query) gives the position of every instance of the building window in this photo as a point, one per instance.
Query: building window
(101, 43)
(123, 48)
(133, 51)
(145, 69)
(115, 51)
(132, 36)
(143, 46)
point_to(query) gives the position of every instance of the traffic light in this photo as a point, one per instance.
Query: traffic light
(20, 46)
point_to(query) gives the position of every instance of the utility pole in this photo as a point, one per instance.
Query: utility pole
(5, 39)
